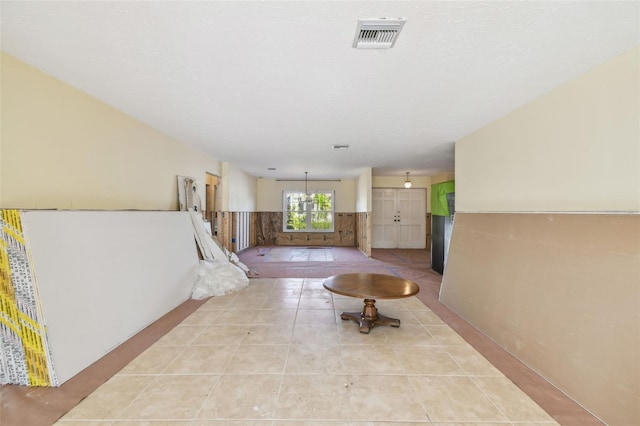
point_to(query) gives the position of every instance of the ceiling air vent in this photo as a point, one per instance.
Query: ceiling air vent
(378, 33)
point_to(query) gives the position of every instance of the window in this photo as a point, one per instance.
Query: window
(312, 215)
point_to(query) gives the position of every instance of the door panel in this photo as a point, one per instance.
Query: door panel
(412, 207)
(383, 221)
(398, 218)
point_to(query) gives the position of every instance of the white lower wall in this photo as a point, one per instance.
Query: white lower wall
(104, 276)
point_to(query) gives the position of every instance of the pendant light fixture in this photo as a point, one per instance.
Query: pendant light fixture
(407, 183)
(308, 197)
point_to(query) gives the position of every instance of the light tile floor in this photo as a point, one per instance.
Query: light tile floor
(277, 353)
(301, 254)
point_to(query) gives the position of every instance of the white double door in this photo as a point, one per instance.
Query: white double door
(399, 218)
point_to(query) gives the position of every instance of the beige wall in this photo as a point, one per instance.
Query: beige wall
(352, 195)
(443, 177)
(239, 190)
(559, 291)
(575, 149)
(270, 193)
(398, 182)
(363, 194)
(63, 149)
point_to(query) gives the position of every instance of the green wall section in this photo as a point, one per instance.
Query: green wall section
(439, 191)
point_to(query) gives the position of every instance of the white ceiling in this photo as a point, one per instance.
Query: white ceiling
(276, 83)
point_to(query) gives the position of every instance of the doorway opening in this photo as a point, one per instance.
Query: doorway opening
(212, 202)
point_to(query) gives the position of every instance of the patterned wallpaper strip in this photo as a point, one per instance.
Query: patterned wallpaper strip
(25, 358)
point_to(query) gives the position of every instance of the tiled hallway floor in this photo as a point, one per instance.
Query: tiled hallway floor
(304, 254)
(277, 353)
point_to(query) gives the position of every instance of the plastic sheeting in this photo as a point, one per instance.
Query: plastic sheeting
(439, 203)
(217, 278)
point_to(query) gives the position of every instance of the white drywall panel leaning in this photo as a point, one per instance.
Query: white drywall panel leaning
(105, 275)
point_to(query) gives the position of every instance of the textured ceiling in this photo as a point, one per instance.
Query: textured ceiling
(275, 84)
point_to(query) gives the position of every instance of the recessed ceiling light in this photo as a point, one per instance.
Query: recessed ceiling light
(339, 146)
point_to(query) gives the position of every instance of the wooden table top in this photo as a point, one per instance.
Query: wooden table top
(371, 286)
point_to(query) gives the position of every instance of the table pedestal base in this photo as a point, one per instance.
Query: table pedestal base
(369, 317)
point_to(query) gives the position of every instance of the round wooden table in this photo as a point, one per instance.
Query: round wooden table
(370, 287)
